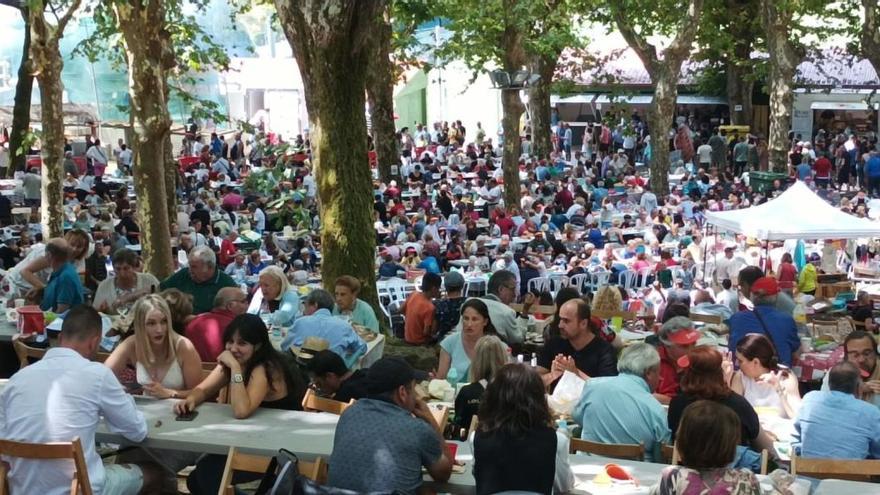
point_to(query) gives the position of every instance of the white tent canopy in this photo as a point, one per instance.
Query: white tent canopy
(798, 213)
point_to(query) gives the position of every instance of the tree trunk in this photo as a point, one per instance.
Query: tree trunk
(739, 67)
(539, 104)
(330, 41)
(171, 178)
(784, 59)
(513, 108)
(660, 117)
(48, 65)
(870, 38)
(380, 93)
(150, 56)
(739, 93)
(21, 112)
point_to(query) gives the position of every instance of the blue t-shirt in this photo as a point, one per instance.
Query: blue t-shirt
(804, 170)
(64, 287)
(872, 168)
(460, 361)
(778, 326)
(430, 265)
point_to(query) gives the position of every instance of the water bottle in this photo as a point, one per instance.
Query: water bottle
(452, 376)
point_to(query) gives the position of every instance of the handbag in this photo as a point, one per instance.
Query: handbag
(282, 477)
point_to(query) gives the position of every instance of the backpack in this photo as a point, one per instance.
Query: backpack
(282, 477)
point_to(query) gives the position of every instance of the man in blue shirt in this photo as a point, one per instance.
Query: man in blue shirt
(621, 409)
(872, 173)
(835, 424)
(765, 319)
(65, 288)
(319, 322)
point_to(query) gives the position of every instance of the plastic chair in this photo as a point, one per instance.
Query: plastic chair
(599, 279)
(628, 279)
(539, 285)
(579, 282)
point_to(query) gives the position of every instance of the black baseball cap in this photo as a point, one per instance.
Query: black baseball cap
(389, 373)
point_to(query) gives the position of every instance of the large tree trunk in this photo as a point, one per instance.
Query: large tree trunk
(21, 111)
(171, 178)
(513, 108)
(739, 93)
(331, 41)
(660, 117)
(380, 93)
(870, 38)
(539, 104)
(784, 59)
(48, 65)
(739, 68)
(150, 56)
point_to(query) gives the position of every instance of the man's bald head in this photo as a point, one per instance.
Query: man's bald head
(231, 299)
(58, 250)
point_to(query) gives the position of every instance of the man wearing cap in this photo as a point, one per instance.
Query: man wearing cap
(319, 322)
(728, 266)
(447, 311)
(677, 336)
(418, 311)
(765, 319)
(383, 440)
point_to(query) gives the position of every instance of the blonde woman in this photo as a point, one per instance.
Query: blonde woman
(167, 365)
(490, 354)
(276, 297)
(607, 299)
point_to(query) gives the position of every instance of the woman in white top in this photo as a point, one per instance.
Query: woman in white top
(167, 365)
(760, 379)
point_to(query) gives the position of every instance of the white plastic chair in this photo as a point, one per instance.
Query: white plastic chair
(474, 287)
(539, 285)
(557, 283)
(628, 279)
(599, 279)
(579, 282)
(644, 273)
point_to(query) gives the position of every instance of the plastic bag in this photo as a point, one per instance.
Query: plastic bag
(566, 394)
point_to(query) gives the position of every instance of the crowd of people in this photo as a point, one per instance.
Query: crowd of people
(585, 216)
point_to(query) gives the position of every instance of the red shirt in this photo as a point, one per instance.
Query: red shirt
(206, 333)
(418, 312)
(787, 275)
(227, 252)
(668, 375)
(505, 224)
(822, 168)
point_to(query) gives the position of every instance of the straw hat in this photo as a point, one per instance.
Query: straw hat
(311, 346)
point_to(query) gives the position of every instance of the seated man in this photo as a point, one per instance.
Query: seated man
(861, 350)
(202, 279)
(70, 393)
(835, 424)
(383, 441)
(599, 409)
(418, 311)
(65, 288)
(333, 379)
(206, 330)
(765, 319)
(676, 337)
(346, 290)
(577, 348)
(318, 322)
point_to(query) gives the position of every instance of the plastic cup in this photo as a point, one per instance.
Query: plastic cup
(452, 449)
(19, 303)
(806, 344)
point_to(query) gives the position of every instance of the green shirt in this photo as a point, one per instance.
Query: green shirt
(362, 314)
(203, 294)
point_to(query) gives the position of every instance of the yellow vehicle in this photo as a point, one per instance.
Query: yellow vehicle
(731, 130)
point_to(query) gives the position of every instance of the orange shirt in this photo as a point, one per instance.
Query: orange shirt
(418, 312)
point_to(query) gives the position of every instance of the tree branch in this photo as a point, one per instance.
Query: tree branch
(62, 23)
(680, 47)
(645, 51)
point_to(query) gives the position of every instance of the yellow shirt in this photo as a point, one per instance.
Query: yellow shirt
(807, 280)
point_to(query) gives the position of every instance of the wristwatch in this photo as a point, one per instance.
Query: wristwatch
(237, 378)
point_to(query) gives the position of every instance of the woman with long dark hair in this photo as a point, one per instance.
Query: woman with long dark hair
(760, 379)
(516, 447)
(458, 349)
(255, 375)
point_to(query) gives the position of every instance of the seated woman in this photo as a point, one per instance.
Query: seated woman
(458, 349)
(64, 289)
(490, 354)
(276, 297)
(358, 311)
(167, 365)
(707, 440)
(515, 446)
(118, 294)
(251, 374)
(703, 379)
(32, 273)
(761, 381)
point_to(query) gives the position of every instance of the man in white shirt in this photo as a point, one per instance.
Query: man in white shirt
(259, 218)
(704, 152)
(98, 157)
(728, 266)
(123, 158)
(31, 183)
(311, 186)
(62, 397)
